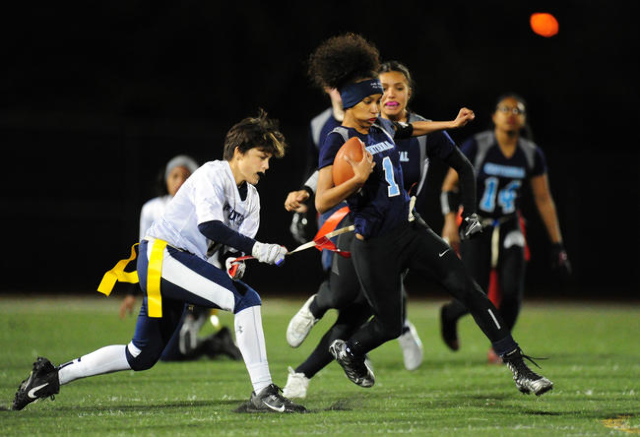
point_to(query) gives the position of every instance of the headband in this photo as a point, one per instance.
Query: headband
(180, 161)
(353, 93)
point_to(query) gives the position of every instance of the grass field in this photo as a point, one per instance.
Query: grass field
(593, 350)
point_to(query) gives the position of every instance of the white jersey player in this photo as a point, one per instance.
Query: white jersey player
(217, 206)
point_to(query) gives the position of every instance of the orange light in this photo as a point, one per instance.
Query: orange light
(544, 24)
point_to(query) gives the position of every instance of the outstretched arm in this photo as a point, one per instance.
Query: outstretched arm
(465, 115)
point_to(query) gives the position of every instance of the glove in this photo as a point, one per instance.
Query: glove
(559, 260)
(269, 253)
(470, 226)
(297, 227)
(235, 270)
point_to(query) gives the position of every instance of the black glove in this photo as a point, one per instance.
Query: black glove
(559, 260)
(298, 227)
(470, 226)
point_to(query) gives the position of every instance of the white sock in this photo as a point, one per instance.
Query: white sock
(250, 339)
(106, 360)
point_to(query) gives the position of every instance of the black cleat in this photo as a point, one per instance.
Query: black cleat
(527, 381)
(41, 383)
(226, 344)
(449, 330)
(270, 400)
(355, 367)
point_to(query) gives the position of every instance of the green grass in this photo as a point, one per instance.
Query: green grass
(594, 362)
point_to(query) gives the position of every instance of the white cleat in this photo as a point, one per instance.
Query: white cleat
(301, 324)
(297, 385)
(411, 347)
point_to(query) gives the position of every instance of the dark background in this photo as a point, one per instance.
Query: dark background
(97, 97)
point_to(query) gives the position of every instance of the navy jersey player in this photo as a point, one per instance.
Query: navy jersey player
(387, 241)
(505, 162)
(217, 206)
(415, 153)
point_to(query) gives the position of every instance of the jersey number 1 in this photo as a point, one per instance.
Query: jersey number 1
(392, 189)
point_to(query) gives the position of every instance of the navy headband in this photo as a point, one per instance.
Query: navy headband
(353, 93)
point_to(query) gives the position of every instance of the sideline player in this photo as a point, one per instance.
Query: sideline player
(217, 206)
(504, 161)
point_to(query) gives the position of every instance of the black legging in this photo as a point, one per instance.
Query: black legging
(476, 256)
(380, 262)
(341, 292)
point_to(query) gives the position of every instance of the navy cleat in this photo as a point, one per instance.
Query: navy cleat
(355, 367)
(270, 400)
(41, 383)
(527, 381)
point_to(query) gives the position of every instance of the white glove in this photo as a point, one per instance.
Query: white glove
(235, 270)
(269, 253)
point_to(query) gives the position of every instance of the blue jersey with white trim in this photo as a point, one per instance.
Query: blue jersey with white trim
(382, 204)
(500, 179)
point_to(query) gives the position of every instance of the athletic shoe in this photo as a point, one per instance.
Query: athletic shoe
(527, 381)
(227, 345)
(297, 385)
(301, 324)
(191, 326)
(220, 343)
(41, 383)
(355, 367)
(493, 357)
(449, 330)
(411, 347)
(270, 400)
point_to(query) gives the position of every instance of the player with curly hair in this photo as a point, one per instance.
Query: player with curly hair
(388, 239)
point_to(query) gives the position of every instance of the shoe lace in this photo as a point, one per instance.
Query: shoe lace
(518, 364)
(279, 393)
(532, 359)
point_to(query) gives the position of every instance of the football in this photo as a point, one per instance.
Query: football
(342, 170)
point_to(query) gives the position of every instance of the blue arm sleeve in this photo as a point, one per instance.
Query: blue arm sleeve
(217, 231)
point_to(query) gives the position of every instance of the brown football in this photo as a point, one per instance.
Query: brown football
(342, 170)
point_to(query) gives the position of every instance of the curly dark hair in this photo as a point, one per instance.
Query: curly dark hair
(255, 132)
(343, 59)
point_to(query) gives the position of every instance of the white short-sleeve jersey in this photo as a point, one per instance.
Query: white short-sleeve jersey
(209, 194)
(152, 210)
